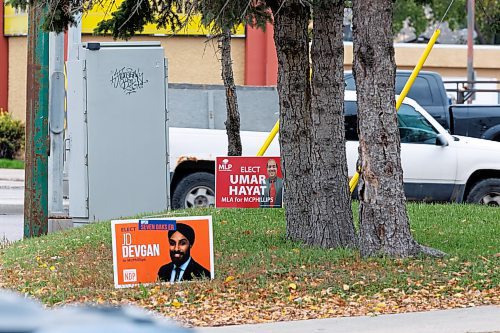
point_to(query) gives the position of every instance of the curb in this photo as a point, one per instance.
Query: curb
(14, 175)
(11, 187)
(484, 319)
(11, 179)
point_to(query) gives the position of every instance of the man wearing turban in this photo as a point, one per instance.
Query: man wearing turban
(182, 267)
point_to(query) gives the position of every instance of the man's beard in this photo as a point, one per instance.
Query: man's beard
(184, 256)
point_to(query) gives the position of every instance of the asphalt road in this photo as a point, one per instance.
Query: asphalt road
(11, 209)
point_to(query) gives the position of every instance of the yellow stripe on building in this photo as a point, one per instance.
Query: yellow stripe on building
(16, 23)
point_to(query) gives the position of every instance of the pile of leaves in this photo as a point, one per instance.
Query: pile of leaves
(262, 277)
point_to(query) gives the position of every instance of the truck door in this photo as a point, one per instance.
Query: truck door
(429, 170)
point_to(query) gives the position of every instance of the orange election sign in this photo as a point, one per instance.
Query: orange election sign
(141, 249)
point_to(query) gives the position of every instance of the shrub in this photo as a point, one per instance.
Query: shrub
(11, 136)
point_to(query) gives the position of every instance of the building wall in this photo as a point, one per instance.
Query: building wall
(194, 60)
(4, 63)
(18, 59)
(448, 60)
(191, 59)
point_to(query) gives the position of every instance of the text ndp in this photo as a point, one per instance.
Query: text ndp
(129, 275)
(247, 183)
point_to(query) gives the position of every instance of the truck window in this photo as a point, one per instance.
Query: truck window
(413, 127)
(349, 83)
(351, 120)
(420, 90)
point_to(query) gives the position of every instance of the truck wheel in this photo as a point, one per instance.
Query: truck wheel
(485, 192)
(195, 190)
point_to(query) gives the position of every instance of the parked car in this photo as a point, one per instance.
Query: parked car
(428, 90)
(437, 166)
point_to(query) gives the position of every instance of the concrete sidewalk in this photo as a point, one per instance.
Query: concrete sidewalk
(483, 319)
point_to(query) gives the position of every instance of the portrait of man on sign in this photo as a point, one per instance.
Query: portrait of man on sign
(183, 267)
(272, 187)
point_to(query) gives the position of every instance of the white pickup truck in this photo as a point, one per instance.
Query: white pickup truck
(437, 167)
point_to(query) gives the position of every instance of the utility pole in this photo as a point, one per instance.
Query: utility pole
(470, 46)
(36, 170)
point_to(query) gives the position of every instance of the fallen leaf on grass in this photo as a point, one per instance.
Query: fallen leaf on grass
(176, 304)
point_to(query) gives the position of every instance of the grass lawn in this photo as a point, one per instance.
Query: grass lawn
(11, 164)
(261, 276)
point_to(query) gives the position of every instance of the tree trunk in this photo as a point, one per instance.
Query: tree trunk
(233, 115)
(384, 226)
(291, 18)
(332, 223)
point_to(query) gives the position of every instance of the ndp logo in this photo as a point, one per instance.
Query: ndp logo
(225, 166)
(129, 275)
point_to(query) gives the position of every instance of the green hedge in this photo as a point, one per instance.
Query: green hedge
(11, 136)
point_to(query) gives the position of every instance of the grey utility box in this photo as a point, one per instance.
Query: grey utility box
(117, 149)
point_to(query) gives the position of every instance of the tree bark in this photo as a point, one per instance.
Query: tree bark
(291, 18)
(233, 115)
(384, 226)
(332, 223)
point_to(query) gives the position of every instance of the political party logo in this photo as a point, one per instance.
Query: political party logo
(129, 275)
(224, 165)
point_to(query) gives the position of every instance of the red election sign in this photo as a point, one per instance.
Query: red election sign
(248, 182)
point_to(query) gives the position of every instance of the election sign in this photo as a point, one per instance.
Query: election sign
(248, 182)
(170, 249)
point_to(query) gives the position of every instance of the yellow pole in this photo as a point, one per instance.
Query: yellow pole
(269, 139)
(354, 180)
(417, 68)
